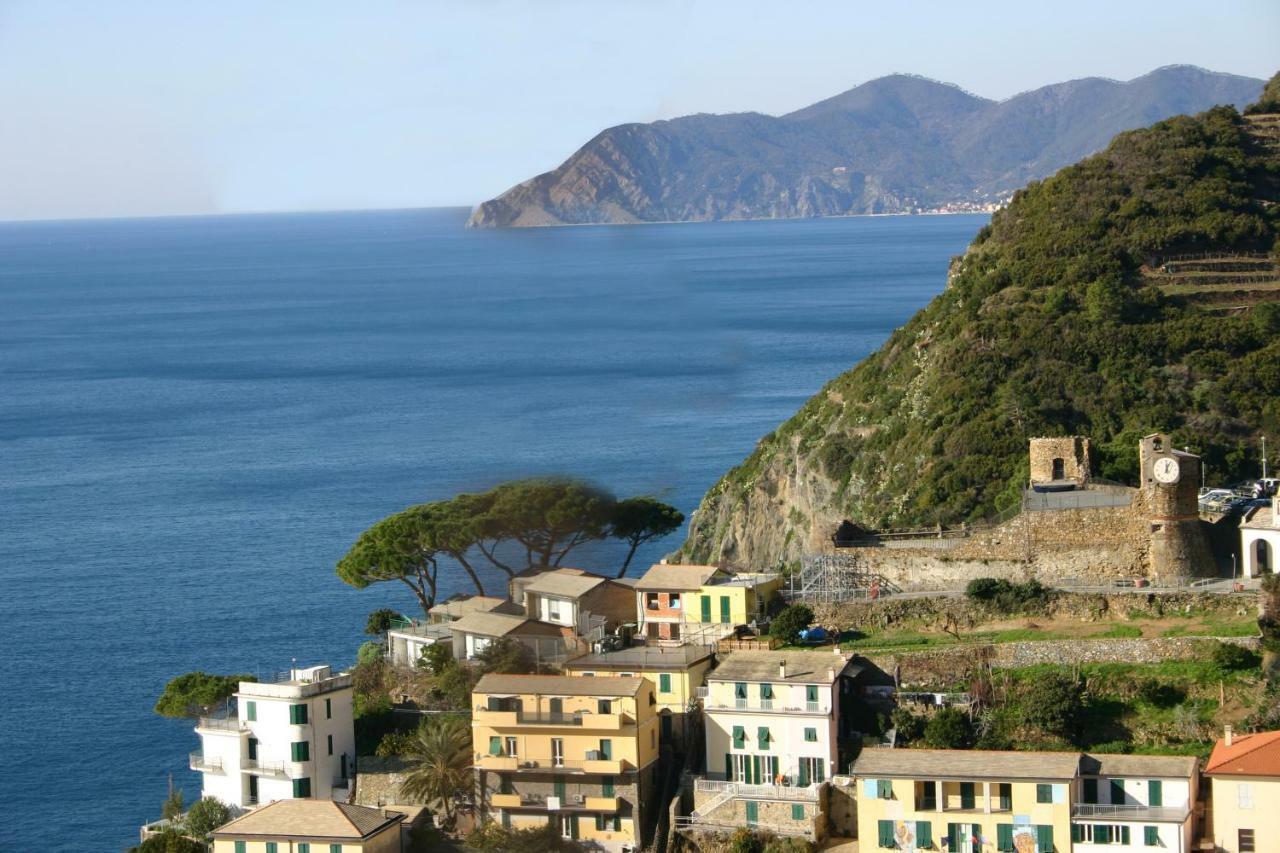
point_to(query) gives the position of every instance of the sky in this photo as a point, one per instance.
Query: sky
(124, 108)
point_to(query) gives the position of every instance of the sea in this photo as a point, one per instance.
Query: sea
(198, 416)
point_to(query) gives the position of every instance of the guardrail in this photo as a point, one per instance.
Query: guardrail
(196, 761)
(1136, 811)
(797, 793)
(264, 768)
(222, 724)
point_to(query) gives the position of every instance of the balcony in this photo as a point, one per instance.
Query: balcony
(198, 762)
(225, 725)
(505, 801)
(602, 804)
(258, 767)
(783, 793)
(580, 719)
(569, 802)
(757, 705)
(514, 764)
(1134, 812)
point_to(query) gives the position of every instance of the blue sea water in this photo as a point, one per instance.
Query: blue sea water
(199, 415)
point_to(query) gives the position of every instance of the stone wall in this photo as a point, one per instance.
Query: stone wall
(378, 780)
(842, 807)
(945, 666)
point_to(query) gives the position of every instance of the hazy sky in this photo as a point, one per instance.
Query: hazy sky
(119, 108)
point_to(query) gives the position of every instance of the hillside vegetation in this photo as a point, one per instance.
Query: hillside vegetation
(893, 144)
(1047, 327)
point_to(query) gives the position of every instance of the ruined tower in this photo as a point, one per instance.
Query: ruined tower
(1171, 481)
(1060, 460)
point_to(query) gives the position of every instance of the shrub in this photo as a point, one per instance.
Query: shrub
(909, 726)
(394, 743)
(745, 841)
(507, 656)
(196, 692)
(370, 652)
(380, 621)
(206, 815)
(1053, 703)
(788, 624)
(1005, 597)
(784, 844)
(1230, 658)
(437, 657)
(950, 728)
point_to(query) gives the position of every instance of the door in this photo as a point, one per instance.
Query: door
(1059, 469)
(606, 749)
(343, 773)
(253, 790)
(753, 812)
(558, 790)
(557, 752)
(666, 727)
(557, 708)
(724, 609)
(706, 608)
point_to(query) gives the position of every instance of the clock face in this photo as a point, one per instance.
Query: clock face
(1165, 470)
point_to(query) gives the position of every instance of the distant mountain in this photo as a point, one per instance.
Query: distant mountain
(892, 145)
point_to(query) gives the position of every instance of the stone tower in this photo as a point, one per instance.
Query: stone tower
(1171, 481)
(1060, 460)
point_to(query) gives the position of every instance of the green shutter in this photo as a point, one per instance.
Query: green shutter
(797, 811)
(599, 823)
(558, 789)
(811, 693)
(885, 829)
(304, 847)
(606, 749)
(739, 737)
(755, 770)
(739, 690)
(664, 682)
(1004, 837)
(1044, 793)
(1124, 835)
(811, 735)
(495, 745)
(272, 848)
(573, 826)
(251, 712)
(820, 771)
(1117, 793)
(706, 608)
(966, 795)
(1151, 836)
(335, 848)
(301, 750)
(753, 811)
(953, 836)
(1006, 796)
(724, 609)
(1077, 833)
(301, 788)
(762, 737)
(804, 774)
(924, 834)
(506, 820)
(1090, 790)
(606, 786)
(1155, 793)
(1044, 838)
(297, 715)
(240, 845)
(766, 691)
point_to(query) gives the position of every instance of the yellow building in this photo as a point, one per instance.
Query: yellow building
(734, 599)
(969, 800)
(1244, 798)
(311, 826)
(577, 752)
(675, 672)
(686, 603)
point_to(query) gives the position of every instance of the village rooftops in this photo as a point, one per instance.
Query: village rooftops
(778, 667)
(966, 764)
(1138, 766)
(500, 625)
(664, 576)
(637, 658)
(459, 606)
(566, 583)
(1247, 755)
(557, 685)
(322, 820)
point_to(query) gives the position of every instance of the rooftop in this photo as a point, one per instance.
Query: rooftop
(1145, 766)
(570, 583)
(558, 685)
(966, 764)
(801, 667)
(1249, 755)
(643, 657)
(322, 819)
(671, 576)
(1261, 517)
(296, 683)
(459, 606)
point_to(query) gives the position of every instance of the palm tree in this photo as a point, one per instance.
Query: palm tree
(440, 755)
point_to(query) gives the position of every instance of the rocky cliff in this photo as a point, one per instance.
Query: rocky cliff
(894, 144)
(1056, 321)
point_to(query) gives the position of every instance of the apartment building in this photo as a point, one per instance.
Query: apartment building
(588, 604)
(971, 801)
(1135, 802)
(1244, 793)
(291, 737)
(773, 722)
(675, 672)
(577, 752)
(311, 826)
(691, 603)
(407, 638)
(473, 633)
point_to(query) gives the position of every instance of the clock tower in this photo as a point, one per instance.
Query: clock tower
(1171, 480)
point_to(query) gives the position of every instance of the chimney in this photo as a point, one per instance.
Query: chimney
(831, 674)
(1226, 735)
(782, 670)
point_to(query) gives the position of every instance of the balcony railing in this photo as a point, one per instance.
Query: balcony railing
(585, 719)
(775, 705)
(222, 724)
(259, 767)
(789, 793)
(509, 763)
(1136, 811)
(199, 763)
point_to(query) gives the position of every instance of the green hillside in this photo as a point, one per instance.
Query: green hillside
(1056, 321)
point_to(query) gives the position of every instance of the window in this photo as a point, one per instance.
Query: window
(1044, 837)
(753, 808)
(335, 848)
(797, 811)
(301, 788)
(504, 784)
(811, 735)
(884, 828)
(740, 690)
(604, 706)
(512, 749)
(553, 610)
(1151, 836)
(766, 691)
(1244, 795)
(1245, 842)
(706, 608)
(651, 600)
(884, 789)
(966, 795)
(304, 847)
(557, 752)
(331, 744)
(928, 796)
(924, 834)
(240, 846)
(328, 709)
(495, 745)
(1155, 793)
(1004, 836)
(301, 751)
(1090, 790)
(606, 787)
(724, 609)
(664, 682)
(1005, 792)
(739, 737)
(608, 823)
(811, 697)
(1044, 793)
(762, 737)
(253, 749)
(297, 715)
(272, 847)
(1117, 792)
(606, 749)
(250, 714)
(674, 601)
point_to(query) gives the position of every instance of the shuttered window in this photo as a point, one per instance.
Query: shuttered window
(251, 711)
(885, 828)
(762, 737)
(740, 690)
(664, 682)
(1155, 793)
(606, 786)
(753, 811)
(272, 847)
(240, 846)
(1151, 836)
(606, 749)
(924, 834)
(739, 737)
(1044, 837)
(301, 751)
(297, 715)
(1004, 837)
(301, 788)
(1117, 792)
(766, 691)
(1044, 793)
(304, 847)
(797, 811)
(495, 745)
(1005, 793)
(811, 735)
(884, 789)
(966, 795)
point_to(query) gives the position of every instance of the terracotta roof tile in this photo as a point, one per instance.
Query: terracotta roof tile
(1248, 755)
(309, 819)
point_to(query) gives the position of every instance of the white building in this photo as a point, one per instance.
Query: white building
(1260, 540)
(1133, 803)
(291, 738)
(773, 717)
(407, 639)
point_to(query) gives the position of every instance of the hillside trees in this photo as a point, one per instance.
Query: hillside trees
(196, 693)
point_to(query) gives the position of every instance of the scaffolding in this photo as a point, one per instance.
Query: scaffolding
(835, 578)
